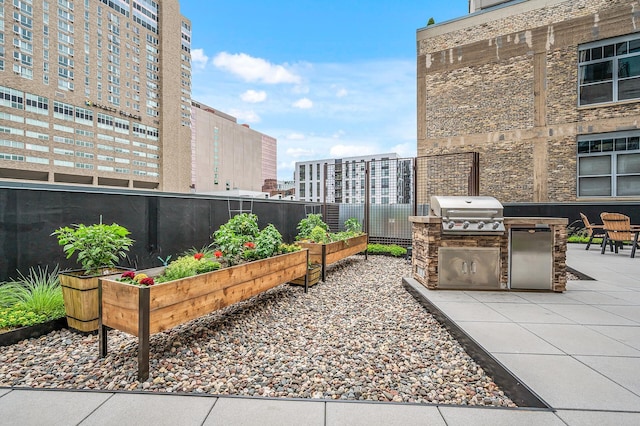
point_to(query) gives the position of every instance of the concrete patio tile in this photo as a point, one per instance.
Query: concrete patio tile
(32, 407)
(547, 298)
(580, 340)
(624, 334)
(464, 416)
(447, 295)
(630, 296)
(362, 414)
(622, 370)
(507, 337)
(600, 297)
(461, 311)
(564, 382)
(629, 312)
(4, 392)
(497, 297)
(264, 412)
(587, 315)
(529, 313)
(151, 409)
(598, 418)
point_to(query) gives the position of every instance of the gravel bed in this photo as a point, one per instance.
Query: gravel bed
(358, 336)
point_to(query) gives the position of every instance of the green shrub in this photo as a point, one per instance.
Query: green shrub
(97, 246)
(187, 266)
(308, 224)
(38, 293)
(352, 225)
(19, 317)
(391, 249)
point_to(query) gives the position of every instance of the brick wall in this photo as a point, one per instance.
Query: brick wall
(504, 83)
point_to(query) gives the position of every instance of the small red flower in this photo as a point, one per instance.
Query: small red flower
(218, 254)
(198, 256)
(147, 281)
(249, 245)
(128, 274)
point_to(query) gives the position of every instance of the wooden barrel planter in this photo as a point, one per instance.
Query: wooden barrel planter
(80, 294)
(326, 254)
(313, 276)
(142, 311)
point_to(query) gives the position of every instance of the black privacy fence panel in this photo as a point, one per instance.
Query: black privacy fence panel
(161, 224)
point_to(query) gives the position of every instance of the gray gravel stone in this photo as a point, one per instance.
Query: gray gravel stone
(358, 336)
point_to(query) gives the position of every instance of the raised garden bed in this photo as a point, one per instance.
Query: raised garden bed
(326, 254)
(142, 311)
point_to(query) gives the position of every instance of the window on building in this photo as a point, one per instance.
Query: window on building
(609, 165)
(302, 172)
(609, 70)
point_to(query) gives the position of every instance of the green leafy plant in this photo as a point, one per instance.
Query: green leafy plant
(18, 317)
(353, 225)
(390, 249)
(267, 244)
(187, 266)
(319, 235)
(32, 298)
(233, 235)
(97, 246)
(308, 224)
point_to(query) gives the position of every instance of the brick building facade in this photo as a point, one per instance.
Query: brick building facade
(547, 91)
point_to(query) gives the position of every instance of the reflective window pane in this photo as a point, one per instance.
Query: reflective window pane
(629, 89)
(621, 48)
(634, 46)
(593, 73)
(629, 67)
(607, 145)
(628, 186)
(628, 163)
(592, 166)
(633, 143)
(583, 147)
(596, 93)
(595, 187)
(595, 146)
(596, 53)
(609, 51)
(621, 144)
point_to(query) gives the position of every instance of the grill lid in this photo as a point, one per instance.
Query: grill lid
(466, 214)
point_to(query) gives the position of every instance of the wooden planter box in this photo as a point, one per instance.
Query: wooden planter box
(142, 311)
(313, 276)
(326, 254)
(80, 294)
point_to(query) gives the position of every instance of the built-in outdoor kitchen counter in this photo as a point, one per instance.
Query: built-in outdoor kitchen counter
(527, 253)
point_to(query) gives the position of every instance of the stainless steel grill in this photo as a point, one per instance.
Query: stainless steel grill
(469, 215)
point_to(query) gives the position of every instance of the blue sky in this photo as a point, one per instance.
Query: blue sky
(328, 79)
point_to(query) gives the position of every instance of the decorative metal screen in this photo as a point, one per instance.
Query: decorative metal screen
(382, 194)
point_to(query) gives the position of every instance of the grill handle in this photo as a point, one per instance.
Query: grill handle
(468, 210)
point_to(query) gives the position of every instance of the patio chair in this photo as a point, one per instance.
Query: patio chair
(593, 231)
(618, 231)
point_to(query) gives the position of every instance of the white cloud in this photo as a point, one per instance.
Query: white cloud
(340, 151)
(246, 116)
(342, 93)
(339, 134)
(304, 103)
(198, 58)
(295, 136)
(254, 69)
(404, 150)
(253, 96)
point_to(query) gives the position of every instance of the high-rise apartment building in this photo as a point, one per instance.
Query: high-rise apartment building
(228, 156)
(345, 181)
(96, 92)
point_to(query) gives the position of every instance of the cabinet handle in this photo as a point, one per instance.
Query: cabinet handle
(464, 268)
(473, 267)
